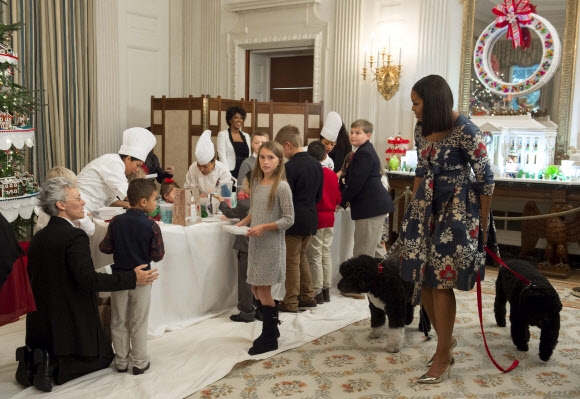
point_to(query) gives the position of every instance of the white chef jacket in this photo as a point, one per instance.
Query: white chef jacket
(102, 182)
(328, 162)
(207, 184)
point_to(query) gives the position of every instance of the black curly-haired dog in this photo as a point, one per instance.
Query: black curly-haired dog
(389, 296)
(537, 304)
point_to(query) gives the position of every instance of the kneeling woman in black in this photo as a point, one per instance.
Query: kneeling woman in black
(64, 337)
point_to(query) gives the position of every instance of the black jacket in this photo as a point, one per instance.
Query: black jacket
(64, 283)
(304, 175)
(363, 189)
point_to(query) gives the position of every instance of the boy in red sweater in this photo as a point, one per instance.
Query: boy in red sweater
(318, 251)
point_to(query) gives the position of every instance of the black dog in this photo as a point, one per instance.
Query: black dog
(537, 304)
(389, 295)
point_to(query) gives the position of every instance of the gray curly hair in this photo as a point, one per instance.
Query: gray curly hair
(53, 190)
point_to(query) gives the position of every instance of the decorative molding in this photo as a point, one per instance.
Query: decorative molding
(466, 56)
(389, 9)
(240, 46)
(245, 6)
(566, 91)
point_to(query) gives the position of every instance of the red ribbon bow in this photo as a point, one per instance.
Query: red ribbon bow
(168, 180)
(514, 14)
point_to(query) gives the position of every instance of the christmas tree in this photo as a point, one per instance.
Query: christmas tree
(16, 104)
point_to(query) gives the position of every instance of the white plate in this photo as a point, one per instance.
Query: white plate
(212, 219)
(237, 230)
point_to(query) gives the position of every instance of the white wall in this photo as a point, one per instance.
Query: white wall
(165, 48)
(132, 39)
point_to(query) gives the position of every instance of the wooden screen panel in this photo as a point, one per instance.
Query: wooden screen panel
(217, 108)
(303, 115)
(180, 121)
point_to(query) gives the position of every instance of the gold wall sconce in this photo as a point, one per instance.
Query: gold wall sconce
(386, 73)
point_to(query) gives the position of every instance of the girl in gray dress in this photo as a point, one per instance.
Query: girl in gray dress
(271, 213)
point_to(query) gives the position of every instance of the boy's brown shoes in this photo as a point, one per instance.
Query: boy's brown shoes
(354, 296)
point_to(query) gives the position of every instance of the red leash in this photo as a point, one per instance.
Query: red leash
(479, 309)
(501, 262)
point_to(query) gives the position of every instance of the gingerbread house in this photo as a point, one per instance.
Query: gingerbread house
(10, 187)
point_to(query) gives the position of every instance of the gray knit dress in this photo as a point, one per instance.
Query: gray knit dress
(267, 253)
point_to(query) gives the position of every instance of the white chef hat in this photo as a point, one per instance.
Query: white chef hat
(204, 150)
(331, 126)
(137, 143)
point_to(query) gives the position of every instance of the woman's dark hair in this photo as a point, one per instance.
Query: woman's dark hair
(123, 157)
(437, 104)
(231, 111)
(342, 141)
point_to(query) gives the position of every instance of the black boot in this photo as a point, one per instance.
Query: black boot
(258, 310)
(25, 370)
(277, 318)
(267, 341)
(42, 376)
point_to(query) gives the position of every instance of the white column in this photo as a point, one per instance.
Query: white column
(211, 61)
(108, 124)
(433, 38)
(176, 49)
(347, 60)
(191, 34)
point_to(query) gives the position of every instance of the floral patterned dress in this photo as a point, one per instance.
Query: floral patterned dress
(441, 233)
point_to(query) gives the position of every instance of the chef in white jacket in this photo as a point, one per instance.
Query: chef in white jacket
(206, 173)
(103, 182)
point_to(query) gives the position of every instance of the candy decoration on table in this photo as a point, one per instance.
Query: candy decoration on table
(179, 207)
(226, 192)
(396, 148)
(394, 163)
(515, 14)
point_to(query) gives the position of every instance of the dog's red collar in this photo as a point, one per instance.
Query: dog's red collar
(380, 268)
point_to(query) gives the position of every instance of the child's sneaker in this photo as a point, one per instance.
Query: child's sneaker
(282, 308)
(326, 294)
(319, 298)
(137, 371)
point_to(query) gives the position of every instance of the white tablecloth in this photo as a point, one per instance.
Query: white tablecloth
(198, 275)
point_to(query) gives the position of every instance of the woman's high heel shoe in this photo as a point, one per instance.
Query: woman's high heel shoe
(426, 379)
(453, 345)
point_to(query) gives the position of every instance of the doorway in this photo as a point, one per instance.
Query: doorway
(284, 75)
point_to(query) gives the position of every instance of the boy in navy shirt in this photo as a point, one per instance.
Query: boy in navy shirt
(134, 240)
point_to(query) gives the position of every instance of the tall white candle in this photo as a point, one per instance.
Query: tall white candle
(400, 51)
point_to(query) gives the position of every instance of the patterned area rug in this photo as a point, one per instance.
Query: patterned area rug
(347, 364)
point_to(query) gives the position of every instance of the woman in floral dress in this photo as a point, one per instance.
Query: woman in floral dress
(445, 226)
